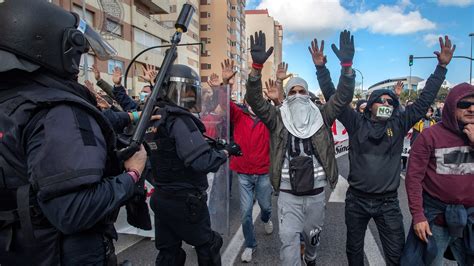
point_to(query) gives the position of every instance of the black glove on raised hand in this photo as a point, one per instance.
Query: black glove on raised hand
(346, 50)
(233, 149)
(257, 50)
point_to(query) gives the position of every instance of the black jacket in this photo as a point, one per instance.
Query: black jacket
(58, 143)
(376, 147)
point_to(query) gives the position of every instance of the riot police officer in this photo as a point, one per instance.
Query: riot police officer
(181, 159)
(60, 183)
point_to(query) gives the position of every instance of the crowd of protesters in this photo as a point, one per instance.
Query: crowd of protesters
(284, 132)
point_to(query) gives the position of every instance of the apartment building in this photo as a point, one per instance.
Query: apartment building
(130, 26)
(260, 20)
(222, 29)
(187, 55)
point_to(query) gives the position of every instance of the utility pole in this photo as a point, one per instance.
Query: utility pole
(470, 69)
(85, 65)
(362, 76)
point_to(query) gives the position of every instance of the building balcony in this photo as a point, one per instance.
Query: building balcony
(160, 7)
(151, 25)
(154, 56)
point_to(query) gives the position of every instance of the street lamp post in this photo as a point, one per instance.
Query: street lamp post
(362, 76)
(85, 65)
(470, 69)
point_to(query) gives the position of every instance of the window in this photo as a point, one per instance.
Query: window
(89, 14)
(173, 9)
(90, 61)
(204, 2)
(146, 40)
(204, 27)
(204, 79)
(206, 40)
(113, 27)
(205, 66)
(111, 64)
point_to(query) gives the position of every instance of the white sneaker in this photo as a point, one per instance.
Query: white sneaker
(268, 227)
(247, 254)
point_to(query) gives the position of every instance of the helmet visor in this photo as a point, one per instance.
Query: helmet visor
(102, 49)
(185, 93)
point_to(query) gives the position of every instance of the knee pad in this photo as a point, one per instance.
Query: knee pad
(216, 243)
(209, 253)
(174, 256)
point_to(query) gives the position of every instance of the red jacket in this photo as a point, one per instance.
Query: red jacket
(441, 161)
(254, 140)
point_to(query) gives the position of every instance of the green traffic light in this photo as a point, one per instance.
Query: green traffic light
(410, 60)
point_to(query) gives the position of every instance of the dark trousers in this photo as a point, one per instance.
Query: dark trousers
(184, 218)
(389, 220)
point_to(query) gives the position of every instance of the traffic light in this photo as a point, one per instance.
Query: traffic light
(410, 60)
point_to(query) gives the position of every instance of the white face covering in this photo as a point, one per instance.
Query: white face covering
(300, 116)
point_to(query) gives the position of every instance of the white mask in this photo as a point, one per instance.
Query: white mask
(300, 116)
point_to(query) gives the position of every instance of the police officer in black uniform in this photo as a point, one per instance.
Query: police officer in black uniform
(181, 159)
(60, 183)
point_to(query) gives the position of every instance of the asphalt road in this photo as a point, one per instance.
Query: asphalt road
(141, 251)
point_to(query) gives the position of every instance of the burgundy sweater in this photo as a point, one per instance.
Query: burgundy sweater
(442, 161)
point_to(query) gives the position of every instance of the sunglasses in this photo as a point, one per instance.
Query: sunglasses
(384, 100)
(464, 105)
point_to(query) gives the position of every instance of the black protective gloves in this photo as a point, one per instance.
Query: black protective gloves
(258, 50)
(233, 149)
(346, 50)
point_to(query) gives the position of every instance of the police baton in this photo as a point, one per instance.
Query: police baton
(138, 136)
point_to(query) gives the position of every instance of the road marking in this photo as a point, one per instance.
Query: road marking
(339, 193)
(235, 244)
(402, 175)
(126, 241)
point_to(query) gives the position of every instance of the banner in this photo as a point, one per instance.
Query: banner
(406, 144)
(341, 139)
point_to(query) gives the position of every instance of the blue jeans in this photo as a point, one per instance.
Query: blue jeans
(443, 240)
(261, 187)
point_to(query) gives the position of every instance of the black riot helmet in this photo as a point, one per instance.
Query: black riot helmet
(49, 36)
(183, 87)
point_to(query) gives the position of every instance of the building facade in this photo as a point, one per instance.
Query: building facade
(409, 83)
(260, 20)
(222, 30)
(130, 26)
(187, 55)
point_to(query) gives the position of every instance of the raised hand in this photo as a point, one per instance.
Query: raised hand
(317, 53)
(446, 51)
(149, 73)
(398, 88)
(101, 102)
(117, 76)
(281, 71)
(96, 72)
(89, 86)
(272, 90)
(346, 50)
(213, 80)
(258, 50)
(228, 71)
